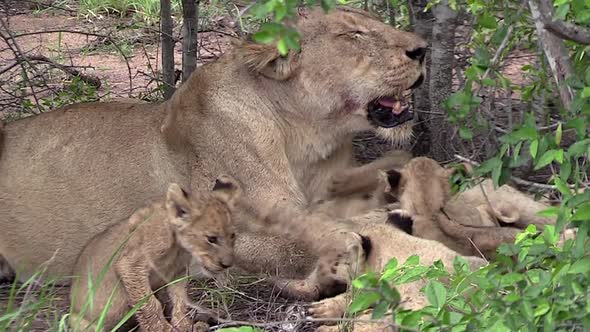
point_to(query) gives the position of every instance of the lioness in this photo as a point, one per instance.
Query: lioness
(280, 125)
(151, 249)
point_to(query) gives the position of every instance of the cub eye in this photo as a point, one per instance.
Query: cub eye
(212, 239)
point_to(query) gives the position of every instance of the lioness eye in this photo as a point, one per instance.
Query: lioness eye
(212, 239)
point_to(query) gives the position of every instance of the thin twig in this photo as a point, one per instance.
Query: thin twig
(513, 178)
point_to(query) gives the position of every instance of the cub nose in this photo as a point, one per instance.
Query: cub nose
(417, 53)
(226, 263)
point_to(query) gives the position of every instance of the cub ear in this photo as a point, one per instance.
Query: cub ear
(383, 184)
(463, 168)
(394, 178)
(177, 205)
(266, 60)
(227, 189)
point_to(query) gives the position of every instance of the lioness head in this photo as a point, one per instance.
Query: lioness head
(202, 222)
(351, 74)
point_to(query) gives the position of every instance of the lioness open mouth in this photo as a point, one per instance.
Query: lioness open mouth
(389, 112)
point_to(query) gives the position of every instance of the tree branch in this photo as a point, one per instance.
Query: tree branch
(569, 31)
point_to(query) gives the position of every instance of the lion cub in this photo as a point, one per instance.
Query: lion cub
(151, 249)
(467, 223)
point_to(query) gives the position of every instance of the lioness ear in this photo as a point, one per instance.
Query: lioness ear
(227, 189)
(177, 205)
(266, 60)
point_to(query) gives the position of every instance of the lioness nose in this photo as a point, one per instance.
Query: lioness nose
(417, 53)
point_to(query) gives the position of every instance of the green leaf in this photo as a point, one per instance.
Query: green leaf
(549, 212)
(558, 133)
(390, 270)
(380, 310)
(586, 92)
(465, 133)
(412, 261)
(561, 12)
(565, 171)
(488, 165)
(579, 148)
(559, 156)
(533, 148)
(542, 308)
(282, 47)
(580, 266)
(264, 37)
(363, 301)
(545, 159)
(488, 21)
(516, 151)
(582, 213)
(496, 172)
(390, 294)
(280, 11)
(436, 293)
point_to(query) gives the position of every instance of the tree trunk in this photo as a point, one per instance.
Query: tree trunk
(554, 49)
(167, 48)
(190, 15)
(441, 76)
(422, 23)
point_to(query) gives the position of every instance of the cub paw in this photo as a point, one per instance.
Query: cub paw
(200, 327)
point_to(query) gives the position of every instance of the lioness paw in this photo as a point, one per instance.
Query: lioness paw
(342, 182)
(328, 308)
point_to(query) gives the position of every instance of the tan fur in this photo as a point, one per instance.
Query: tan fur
(330, 276)
(468, 222)
(388, 242)
(69, 174)
(156, 245)
(363, 179)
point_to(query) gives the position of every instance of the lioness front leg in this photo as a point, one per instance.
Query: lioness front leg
(134, 276)
(365, 177)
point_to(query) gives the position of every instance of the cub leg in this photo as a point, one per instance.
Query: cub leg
(80, 323)
(180, 318)
(135, 279)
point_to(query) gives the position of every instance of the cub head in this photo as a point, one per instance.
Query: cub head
(422, 187)
(351, 74)
(202, 222)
